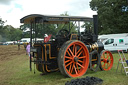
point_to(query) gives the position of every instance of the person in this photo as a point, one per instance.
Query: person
(28, 49)
(25, 45)
(18, 44)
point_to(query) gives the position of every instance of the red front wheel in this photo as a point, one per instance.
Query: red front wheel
(106, 60)
(73, 59)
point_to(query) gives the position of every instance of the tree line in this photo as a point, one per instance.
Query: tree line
(112, 15)
(8, 32)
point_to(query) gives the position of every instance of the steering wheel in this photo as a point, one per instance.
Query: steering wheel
(63, 33)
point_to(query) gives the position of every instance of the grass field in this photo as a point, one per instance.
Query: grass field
(14, 70)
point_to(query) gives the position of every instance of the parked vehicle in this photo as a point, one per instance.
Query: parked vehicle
(104, 37)
(27, 40)
(10, 43)
(24, 40)
(114, 44)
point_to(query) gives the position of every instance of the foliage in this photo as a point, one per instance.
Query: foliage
(112, 15)
(8, 32)
(88, 26)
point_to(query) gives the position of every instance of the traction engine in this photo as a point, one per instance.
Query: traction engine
(70, 53)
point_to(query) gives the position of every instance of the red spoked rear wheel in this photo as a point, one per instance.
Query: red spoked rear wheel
(106, 60)
(73, 59)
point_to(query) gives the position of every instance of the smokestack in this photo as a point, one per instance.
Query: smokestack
(95, 23)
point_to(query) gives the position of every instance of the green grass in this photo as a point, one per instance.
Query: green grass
(16, 72)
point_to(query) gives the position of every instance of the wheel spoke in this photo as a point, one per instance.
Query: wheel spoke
(68, 57)
(78, 50)
(80, 61)
(108, 64)
(67, 61)
(82, 57)
(110, 59)
(107, 55)
(77, 67)
(68, 53)
(79, 54)
(80, 65)
(68, 64)
(72, 67)
(75, 70)
(71, 52)
(103, 65)
(103, 55)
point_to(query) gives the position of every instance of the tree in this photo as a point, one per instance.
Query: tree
(8, 32)
(2, 30)
(1, 22)
(112, 15)
(1, 27)
(66, 26)
(12, 33)
(88, 26)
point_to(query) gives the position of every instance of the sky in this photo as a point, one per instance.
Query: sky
(13, 10)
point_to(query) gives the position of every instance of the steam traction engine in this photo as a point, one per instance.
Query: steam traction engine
(70, 53)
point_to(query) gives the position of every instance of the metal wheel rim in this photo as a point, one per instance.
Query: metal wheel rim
(106, 60)
(76, 59)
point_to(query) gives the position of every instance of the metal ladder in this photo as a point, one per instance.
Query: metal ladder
(123, 61)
